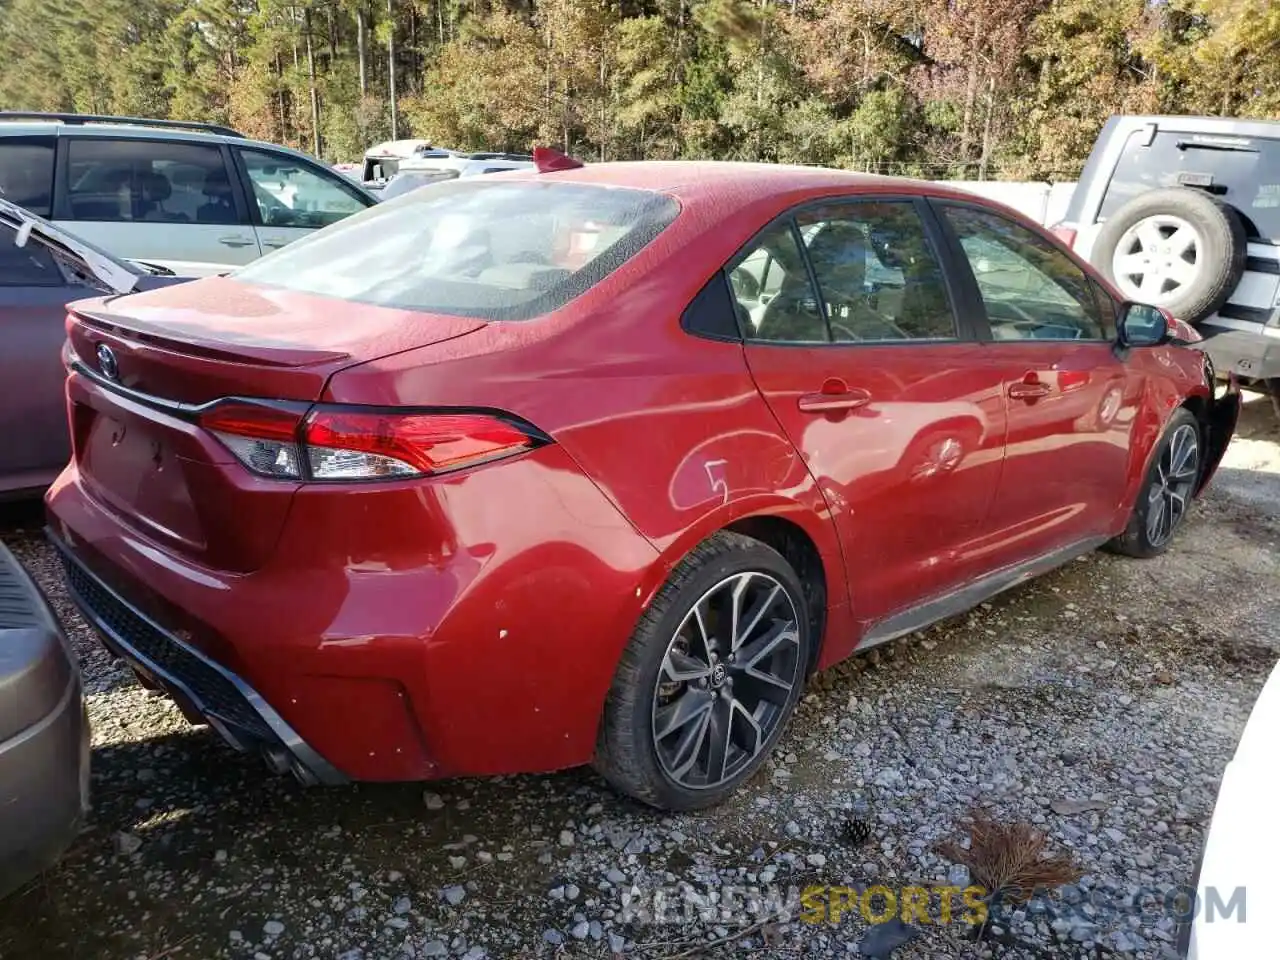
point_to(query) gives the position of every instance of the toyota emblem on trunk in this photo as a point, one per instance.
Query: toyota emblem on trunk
(107, 362)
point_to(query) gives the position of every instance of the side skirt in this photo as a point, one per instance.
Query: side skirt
(969, 596)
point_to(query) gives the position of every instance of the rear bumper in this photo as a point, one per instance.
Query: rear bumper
(1251, 355)
(204, 689)
(469, 625)
(44, 733)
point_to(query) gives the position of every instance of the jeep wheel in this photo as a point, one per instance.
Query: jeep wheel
(1176, 248)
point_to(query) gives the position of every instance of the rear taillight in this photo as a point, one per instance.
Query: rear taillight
(353, 443)
(1064, 232)
(357, 445)
(263, 437)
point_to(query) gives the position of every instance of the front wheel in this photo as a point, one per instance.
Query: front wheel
(710, 677)
(1167, 490)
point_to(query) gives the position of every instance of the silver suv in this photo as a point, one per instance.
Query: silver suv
(193, 197)
(1184, 213)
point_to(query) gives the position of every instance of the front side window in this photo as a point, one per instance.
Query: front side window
(474, 248)
(26, 172)
(1030, 288)
(289, 193)
(878, 275)
(150, 181)
(1243, 171)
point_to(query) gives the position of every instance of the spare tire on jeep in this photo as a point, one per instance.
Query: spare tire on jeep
(1176, 248)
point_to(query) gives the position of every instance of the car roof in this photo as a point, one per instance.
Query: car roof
(704, 180)
(1199, 124)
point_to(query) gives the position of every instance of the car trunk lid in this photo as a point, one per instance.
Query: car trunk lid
(147, 364)
(217, 337)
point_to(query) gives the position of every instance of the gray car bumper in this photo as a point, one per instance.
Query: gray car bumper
(44, 732)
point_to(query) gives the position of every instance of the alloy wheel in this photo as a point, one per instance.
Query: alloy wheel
(726, 680)
(1177, 469)
(1157, 258)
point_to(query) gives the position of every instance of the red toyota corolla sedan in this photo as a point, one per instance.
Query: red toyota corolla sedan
(597, 465)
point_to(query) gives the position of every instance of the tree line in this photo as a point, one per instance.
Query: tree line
(936, 88)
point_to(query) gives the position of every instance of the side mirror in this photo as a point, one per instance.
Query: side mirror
(1142, 326)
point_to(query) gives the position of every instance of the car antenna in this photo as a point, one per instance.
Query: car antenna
(549, 160)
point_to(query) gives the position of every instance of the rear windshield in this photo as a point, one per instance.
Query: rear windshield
(496, 250)
(1243, 171)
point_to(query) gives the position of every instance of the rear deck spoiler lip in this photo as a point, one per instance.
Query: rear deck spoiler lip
(96, 315)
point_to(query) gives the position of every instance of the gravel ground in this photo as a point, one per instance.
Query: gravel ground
(1099, 704)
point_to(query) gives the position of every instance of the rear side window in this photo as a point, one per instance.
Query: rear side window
(148, 181)
(1243, 171)
(876, 270)
(473, 248)
(27, 266)
(26, 172)
(877, 278)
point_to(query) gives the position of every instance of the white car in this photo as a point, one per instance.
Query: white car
(1238, 883)
(437, 165)
(195, 198)
(467, 164)
(382, 160)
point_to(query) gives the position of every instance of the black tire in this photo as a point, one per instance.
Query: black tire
(626, 754)
(1221, 262)
(1138, 539)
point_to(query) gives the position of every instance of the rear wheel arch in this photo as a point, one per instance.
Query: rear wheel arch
(797, 547)
(819, 578)
(629, 748)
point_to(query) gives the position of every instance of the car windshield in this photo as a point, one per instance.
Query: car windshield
(486, 249)
(1243, 171)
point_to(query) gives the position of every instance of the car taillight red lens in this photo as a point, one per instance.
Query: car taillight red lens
(344, 443)
(263, 438)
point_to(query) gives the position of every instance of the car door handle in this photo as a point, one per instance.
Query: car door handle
(1028, 391)
(275, 243)
(236, 241)
(825, 402)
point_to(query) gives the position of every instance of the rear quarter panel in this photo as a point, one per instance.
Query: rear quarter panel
(670, 426)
